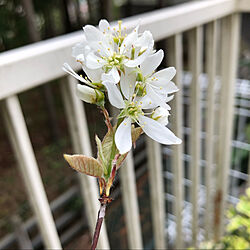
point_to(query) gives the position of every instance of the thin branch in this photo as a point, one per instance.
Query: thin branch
(107, 118)
(101, 214)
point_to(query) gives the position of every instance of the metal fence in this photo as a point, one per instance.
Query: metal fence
(30, 66)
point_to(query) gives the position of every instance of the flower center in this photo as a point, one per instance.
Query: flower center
(114, 60)
(132, 109)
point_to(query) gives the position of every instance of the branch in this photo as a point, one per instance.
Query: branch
(104, 201)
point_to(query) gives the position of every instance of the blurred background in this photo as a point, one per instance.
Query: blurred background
(23, 22)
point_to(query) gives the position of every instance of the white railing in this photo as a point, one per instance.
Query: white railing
(25, 68)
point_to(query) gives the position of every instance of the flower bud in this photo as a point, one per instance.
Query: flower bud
(90, 95)
(161, 115)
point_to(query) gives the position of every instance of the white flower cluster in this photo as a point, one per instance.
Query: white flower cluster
(123, 65)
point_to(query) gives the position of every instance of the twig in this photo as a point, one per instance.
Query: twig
(107, 118)
(104, 201)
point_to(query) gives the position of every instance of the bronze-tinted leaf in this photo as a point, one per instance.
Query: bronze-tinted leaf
(84, 164)
(136, 132)
(120, 160)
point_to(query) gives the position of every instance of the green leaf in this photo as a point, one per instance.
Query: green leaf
(84, 164)
(100, 155)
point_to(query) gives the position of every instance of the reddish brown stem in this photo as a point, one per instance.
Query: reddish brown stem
(107, 118)
(101, 214)
(98, 226)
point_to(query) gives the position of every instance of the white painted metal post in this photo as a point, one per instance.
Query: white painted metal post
(176, 59)
(157, 197)
(81, 143)
(24, 153)
(196, 42)
(230, 45)
(130, 203)
(211, 63)
(248, 182)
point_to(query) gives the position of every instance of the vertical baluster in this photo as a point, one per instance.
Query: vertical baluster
(195, 51)
(130, 203)
(229, 52)
(24, 153)
(211, 55)
(81, 143)
(176, 60)
(157, 197)
(248, 182)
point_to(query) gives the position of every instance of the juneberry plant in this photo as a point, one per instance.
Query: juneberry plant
(121, 67)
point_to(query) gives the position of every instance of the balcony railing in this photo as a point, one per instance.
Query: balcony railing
(28, 67)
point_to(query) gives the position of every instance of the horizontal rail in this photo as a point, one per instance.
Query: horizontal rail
(33, 65)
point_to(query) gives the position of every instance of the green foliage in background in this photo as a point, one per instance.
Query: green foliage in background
(238, 230)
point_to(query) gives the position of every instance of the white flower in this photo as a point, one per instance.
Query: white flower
(93, 78)
(157, 85)
(85, 93)
(132, 112)
(111, 52)
(161, 115)
(90, 95)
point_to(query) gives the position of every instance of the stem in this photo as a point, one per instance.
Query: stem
(104, 201)
(98, 226)
(107, 118)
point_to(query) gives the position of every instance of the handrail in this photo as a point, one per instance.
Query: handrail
(32, 65)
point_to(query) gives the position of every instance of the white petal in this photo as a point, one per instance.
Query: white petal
(166, 74)
(114, 95)
(78, 49)
(127, 82)
(69, 70)
(167, 87)
(92, 34)
(123, 138)
(112, 75)
(170, 88)
(129, 40)
(94, 62)
(147, 103)
(151, 63)
(93, 74)
(158, 132)
(146, 43)
(156, 98)
(86, 93)
(103, 25)
(144, 40)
